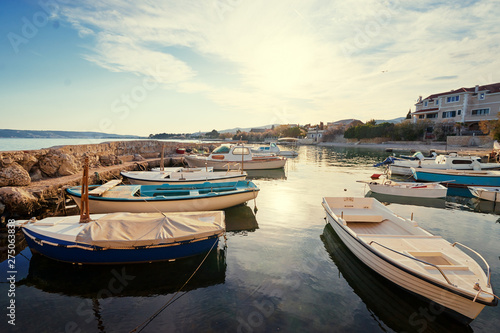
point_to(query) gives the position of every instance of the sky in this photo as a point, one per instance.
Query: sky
(146, 67)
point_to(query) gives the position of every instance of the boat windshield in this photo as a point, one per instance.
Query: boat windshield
(221, 150)
(241, 151)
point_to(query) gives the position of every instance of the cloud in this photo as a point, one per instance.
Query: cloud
(320, 60)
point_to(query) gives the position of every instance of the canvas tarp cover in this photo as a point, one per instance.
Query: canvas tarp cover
(124, 230)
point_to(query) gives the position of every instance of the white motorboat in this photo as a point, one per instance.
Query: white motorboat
(489, 193)
(183, 169)
(409, 256)
(451, 161)
(274, 149)
(233, 157)
(182, 177)
(407, 189)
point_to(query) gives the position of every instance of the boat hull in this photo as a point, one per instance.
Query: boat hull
(409, 192)
(460, 307)
(457, 179)
(256, 164)
(63, 250)
(489, 194)
(99, 205)
(138, 181)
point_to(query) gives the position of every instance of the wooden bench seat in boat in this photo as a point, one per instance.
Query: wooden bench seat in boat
(121, 192)
(99, 191)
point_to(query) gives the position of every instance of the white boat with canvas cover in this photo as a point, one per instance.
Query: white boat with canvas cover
(274, 149)
(406, 189)
(409, 256)
(233, 157)
(182, 177)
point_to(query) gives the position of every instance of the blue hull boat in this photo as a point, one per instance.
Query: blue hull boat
(125, 237)
(457, 178)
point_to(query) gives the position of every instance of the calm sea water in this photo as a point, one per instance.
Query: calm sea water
(283, 269)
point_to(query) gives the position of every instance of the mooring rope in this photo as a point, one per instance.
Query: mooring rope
(479, 290)
(169, 302)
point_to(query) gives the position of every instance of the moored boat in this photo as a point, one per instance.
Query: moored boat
(409, 256)
(166, 197)
(457, 178)
(236, 157)
(124, 237)
(407, 189)
(182, 177)
(274, 149)
(486, 193)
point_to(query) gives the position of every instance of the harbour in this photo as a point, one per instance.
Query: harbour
(281, 268)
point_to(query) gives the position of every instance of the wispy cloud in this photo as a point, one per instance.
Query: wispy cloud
(320, 60)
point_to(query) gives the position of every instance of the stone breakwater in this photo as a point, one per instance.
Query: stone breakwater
(32, 180)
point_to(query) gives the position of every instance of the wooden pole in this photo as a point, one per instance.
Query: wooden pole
(162, 163)
(84, 209)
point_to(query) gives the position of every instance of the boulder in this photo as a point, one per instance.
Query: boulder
(17, 199)
(68, 166)
(27, 161)
(50, 163)
(35, 174)
(138, 157)
(14, 175)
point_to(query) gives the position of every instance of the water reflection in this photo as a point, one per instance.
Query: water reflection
(266, 174)
(94, 281)
(240, 219)
(396, 308)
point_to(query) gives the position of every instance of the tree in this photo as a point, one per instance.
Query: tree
(408, 115)
(214, 134)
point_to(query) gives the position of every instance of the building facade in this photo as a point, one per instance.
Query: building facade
(467, 106)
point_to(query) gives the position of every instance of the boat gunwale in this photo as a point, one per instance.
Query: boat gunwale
(170, 180)
(379, 254)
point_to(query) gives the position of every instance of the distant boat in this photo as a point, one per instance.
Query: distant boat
(452, 161)
(124, 237)
(486, 193)
(274, 149)
(182, 177)
(457, 178)
(409, 256)
(182, 169)
(406, 189)
(166, 197)
(236, 157)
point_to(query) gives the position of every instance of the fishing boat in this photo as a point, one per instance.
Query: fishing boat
(165, 197)
(409, 256)
(182, 177)
(182, 169)
(452, 161)
(406, 189)
(457, 178)
(236, 157)
(122, 237)
(486, 193)
(274, 149)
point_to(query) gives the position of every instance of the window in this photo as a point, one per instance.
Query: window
(240, 151)
(459, 112)
(432, 115)
(481, 96)
(436, 102)
(421, 116)
(425, 104)
(480, 112)
(452, 99)
(449, 114)
(221, 150)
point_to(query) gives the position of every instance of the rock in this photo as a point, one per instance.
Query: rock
(68, 166)
(17, 199)
(6, 160)
(35, 174)
(2, 208)
(138, 157)
(14, 175)
(27, 161)
(49, 164)
(108, 160)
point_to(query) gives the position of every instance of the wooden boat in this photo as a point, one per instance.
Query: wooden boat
(442, 162)
(166, 197)
(274, 149)
(125, 237)
(406, 189)
(409, 256)
(457, 178)
(236, 157)
(182, 177)
(486, 193)
(122, 237)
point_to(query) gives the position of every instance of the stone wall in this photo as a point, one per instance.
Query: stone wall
(470, 141)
